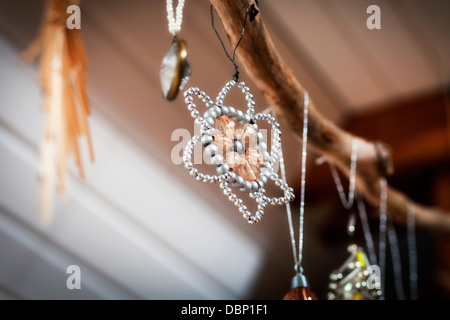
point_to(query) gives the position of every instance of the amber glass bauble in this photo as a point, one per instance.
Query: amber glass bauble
(300, 293)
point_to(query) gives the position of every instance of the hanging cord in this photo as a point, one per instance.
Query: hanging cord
(288, 210)
(232, 59)
(288, 206)
(302, 186)
(396, 260)
(174, 22)
(412, 250)
(347, 203)
(366, 228)
(382, 231)
(298, 258)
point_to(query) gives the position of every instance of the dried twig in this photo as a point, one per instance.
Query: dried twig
(62, 67)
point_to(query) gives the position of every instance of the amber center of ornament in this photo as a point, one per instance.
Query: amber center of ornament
(239, 146)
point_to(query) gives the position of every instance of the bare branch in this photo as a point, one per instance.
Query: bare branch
(282, 90)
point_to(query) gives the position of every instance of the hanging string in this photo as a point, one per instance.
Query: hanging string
(382, 231)
(302, 186)
(366, 228)
(174, 22)
(288, 206)
(288, 209)
(396, 261)
(347, 203)
(232, 59)
(412, 250)
(298, 258)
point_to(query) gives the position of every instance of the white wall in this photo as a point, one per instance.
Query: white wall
(134, 231)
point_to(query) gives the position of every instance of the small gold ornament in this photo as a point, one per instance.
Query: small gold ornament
(354, 280)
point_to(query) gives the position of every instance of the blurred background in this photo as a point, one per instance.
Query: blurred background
(140, 227)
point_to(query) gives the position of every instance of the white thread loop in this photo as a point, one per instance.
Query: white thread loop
(174, 22)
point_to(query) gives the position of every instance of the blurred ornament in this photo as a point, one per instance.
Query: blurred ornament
(354, 280)
(300, 289)
(62, 67)
(175, 68)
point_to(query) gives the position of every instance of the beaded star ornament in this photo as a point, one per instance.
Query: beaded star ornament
(233, 144)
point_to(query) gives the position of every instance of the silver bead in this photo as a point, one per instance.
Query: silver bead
(232, 198)
(242, 209)
(265, 172)
(227, 191)
(247, 186)
(266, 164)
(278, 182)
(259, 213)
(260, 137)
(263, 179)
(255, 186)
(212, 114)
(216, 160)
(225, 110)
(210, 150)
(223, 168)
(247, 118)
(238, 203)
(216, 110)
(238, 147)
(188, 165)
(262, 206)
(262, 146)
(266, 156)
(209, 121)
(231, 177)
(207, 139)
(256, 127)
(195, 113)
(206, 114)
(193, 172)
(239, 115)
(231, 112)
(239, 182)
